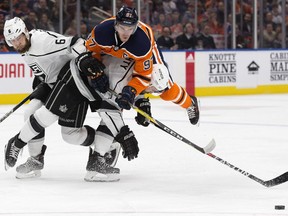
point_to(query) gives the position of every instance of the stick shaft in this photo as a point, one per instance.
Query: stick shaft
(15, 108)
(270, 183)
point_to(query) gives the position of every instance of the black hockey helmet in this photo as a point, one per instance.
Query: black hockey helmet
(127, 16)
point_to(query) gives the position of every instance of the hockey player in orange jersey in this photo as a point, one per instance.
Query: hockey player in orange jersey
(125, 37)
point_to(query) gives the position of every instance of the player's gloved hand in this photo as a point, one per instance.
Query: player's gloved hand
(89, 65)
(100, 82)
(143, 104)
(128, 143)
(126, 97)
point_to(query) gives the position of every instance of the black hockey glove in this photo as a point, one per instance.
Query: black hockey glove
(126, 98)
(128, 143)
(143, 104)
(100, 83)
(89, 65)
(41, 92)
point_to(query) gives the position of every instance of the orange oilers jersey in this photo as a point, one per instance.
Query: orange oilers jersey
(103, 40)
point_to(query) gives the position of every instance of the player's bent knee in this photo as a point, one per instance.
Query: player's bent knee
(31, 108)
(44, 117)
(84, 136)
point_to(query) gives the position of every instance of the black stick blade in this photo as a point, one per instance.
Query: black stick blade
(276, 181)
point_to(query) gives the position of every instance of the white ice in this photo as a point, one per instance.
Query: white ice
(169, 177)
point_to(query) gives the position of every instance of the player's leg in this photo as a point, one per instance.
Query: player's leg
(35, 163)
(42, 118)
(103, 157)
(104, 135)
(36, 123)
(116, 132)
(179, 96)
(73, 132)
(162, 83)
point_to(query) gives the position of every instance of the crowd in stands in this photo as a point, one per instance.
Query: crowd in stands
(173, 21)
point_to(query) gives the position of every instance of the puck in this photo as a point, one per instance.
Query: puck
(279, 207)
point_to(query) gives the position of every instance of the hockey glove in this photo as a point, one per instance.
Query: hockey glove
(126, 98)
(100, 83)
(143, 104)
(89, 65)
(128, 143)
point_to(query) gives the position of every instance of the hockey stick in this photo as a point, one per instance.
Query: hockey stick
(15, 108)
(269, 183)
(205, 150)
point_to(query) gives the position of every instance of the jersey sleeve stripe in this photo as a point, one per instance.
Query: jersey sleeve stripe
(48, 53)
(156, 56)
(141, 77)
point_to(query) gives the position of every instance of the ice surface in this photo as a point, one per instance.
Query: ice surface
(169, 177)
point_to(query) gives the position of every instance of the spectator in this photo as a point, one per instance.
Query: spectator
(268, 18)
(31, 21)
(215, 26)
(165, 42)
(206, 39)
(84, 32)
(187, 40)
(240, 40)
(176, 27)
(189, 14)
(3, 47)
(276, 16)
(41, 8)
(45, 23)
(269, 35)
(277, 43)
(182, 5)
(21, 9)
(247, 25)
(162, 21)
(71, 30)
(54, 17)
(169, 6)
(220, 12)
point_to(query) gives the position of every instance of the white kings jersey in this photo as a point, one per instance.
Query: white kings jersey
(49, 52)
(119, 71)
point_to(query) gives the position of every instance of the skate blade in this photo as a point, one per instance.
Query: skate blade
(100, 177)
(32, 174)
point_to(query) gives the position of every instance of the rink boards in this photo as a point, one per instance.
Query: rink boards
(203, 73)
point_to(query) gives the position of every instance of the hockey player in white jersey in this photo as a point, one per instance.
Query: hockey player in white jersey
(48, 54)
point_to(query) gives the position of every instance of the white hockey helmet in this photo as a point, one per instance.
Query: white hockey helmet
(13, 28)
(160, 77)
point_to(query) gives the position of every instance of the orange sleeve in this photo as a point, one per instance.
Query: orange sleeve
(92, 46)
(141, 76)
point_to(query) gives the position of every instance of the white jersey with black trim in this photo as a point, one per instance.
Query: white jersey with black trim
(49, 52)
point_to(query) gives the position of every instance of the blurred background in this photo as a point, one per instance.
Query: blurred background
(177, 24)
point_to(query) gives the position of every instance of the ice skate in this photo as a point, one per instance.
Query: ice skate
(98, 170)
(193, 111)
(11, 152)
(32, 167)
(111, 157)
